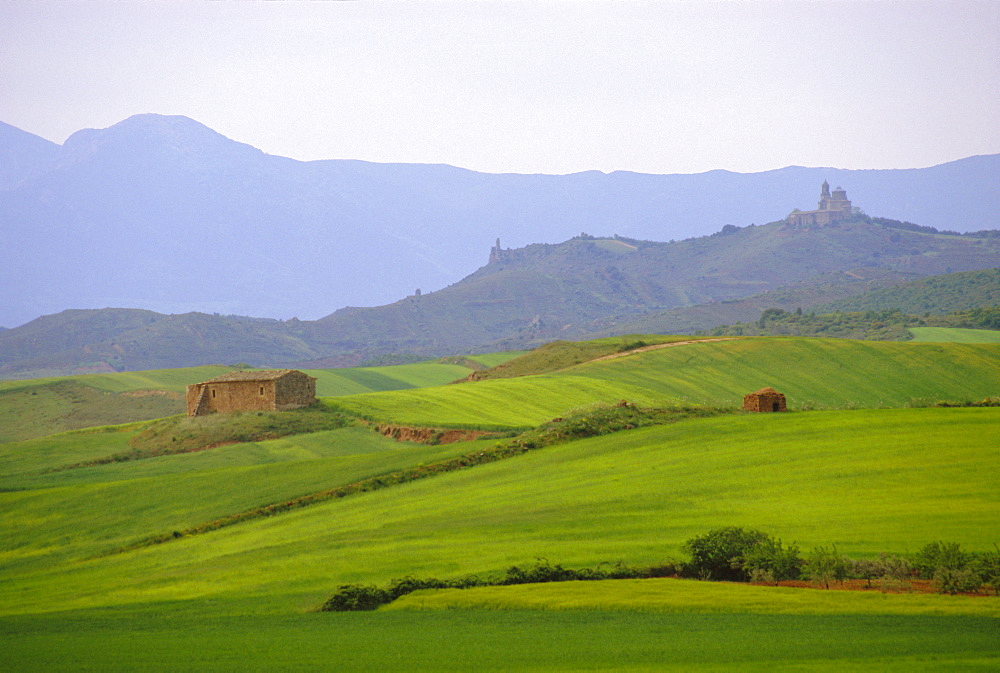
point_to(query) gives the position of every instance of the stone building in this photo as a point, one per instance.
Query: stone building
(764, 400)
(263, 390)
(832, 208)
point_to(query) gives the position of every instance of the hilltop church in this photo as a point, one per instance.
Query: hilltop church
(832, 208)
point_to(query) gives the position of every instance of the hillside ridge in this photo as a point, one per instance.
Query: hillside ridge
(523, 297)
(352, 233)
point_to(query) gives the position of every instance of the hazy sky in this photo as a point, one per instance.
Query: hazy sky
(551, 87)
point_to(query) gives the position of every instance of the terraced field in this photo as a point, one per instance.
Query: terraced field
(880, 477)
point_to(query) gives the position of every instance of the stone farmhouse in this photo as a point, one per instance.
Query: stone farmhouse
(764, 400)
(263, 390)
(832, 208)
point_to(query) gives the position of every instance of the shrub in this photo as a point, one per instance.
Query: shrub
(721, 554)
(353, 597)
(989, 569)
(956, 580)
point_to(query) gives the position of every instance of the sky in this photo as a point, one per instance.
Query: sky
(525, 87)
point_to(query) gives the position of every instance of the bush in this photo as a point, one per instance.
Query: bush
(956, 580)
(353, 597)
(733, 553)
(989, 569)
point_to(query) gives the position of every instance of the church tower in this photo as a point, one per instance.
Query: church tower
(824, 196)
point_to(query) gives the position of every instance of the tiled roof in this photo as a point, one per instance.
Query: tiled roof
(255, 375)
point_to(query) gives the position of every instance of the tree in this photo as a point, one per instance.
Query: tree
(732, 553)
(824, 565)
(770, 560)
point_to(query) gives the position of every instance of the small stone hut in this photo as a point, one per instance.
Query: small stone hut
(262, 390)
(764, 400)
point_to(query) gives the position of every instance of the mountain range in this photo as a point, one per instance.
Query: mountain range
(164, 214)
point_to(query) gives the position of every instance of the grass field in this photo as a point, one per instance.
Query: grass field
(231, 636)
(243, 597)
(694, 597)
(869, 481)
(813, 373)
(955, 335)
(39, 407)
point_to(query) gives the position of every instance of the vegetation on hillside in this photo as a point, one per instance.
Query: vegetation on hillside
(731, 554)
(933, 295)
(184, 434)
(882, 325)
(583, 286)
(39, 410)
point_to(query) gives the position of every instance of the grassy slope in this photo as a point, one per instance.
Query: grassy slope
(867, 480)
(870, 480)
(813, 373)
(955, 335)
(333, 382)
(39, 407)
(687, 596)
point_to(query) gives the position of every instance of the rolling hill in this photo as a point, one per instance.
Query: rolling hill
(580, 288)
(39, 407)
(877, 476)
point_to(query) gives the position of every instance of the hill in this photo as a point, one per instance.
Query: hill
(969, 300)
(41, 407)
(206, 556)
(932, 295)
(813, 374)
(635, 497)
(521, 298)
(269, 236)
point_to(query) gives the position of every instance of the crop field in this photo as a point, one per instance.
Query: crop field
(332, 382)
(693, 597)
(39, 407)
(955, 335)
(813, 373)
(81, 588)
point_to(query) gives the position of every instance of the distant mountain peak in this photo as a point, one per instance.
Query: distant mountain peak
(23, 155)
(163, 136)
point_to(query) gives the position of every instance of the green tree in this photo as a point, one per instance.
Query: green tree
(823, 565)
(721, 553)
(770, 560)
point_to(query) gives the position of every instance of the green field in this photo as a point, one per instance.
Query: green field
(955, 335)
(882, 477)
(813, 374)
(693, 597)
(39, 407)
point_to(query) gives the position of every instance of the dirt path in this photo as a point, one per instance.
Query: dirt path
(654, 347)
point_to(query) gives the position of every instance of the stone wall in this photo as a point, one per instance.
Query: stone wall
(294, 390)
(226, 396)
